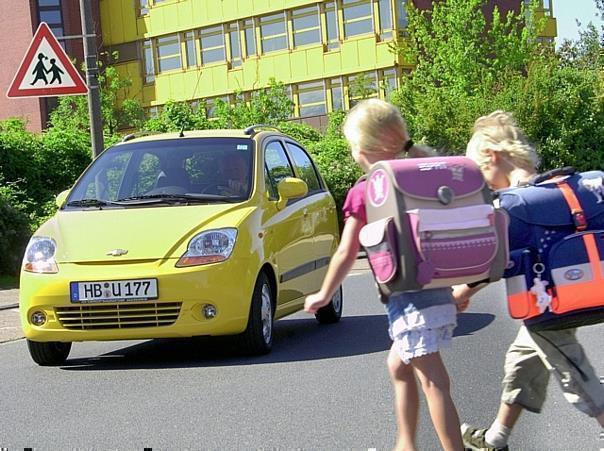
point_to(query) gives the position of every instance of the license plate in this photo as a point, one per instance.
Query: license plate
(113, 290)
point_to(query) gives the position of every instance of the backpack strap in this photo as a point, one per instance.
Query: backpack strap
(581, 224)
(573, 203)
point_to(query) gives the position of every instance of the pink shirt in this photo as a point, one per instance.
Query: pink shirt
(354, 205)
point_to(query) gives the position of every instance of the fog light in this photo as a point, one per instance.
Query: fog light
(209, 311)
(38, 318)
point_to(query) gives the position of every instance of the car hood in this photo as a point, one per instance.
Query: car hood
(144, 233)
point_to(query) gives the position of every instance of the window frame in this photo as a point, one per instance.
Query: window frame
(305, 87)
(284, 34)
(369, 17)
(159, 57)
(303, 12)
(218, 30)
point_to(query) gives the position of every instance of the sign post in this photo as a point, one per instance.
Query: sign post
(92, 70)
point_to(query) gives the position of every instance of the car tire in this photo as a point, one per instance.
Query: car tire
(49, 353)
(332, 312)
(258, 336)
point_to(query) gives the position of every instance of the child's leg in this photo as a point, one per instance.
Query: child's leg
(433, 376)
(406, 400)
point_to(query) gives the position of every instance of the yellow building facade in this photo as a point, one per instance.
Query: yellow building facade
(193, 50)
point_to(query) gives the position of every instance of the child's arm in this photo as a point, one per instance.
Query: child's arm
(340, 264)
(463, 293)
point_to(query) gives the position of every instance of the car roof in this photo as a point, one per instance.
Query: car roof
(214, 133)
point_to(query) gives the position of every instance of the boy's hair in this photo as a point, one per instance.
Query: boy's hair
(499, 132)
(376, 126)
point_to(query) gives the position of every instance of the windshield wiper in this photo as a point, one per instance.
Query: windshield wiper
(174, 198)
(90, 203)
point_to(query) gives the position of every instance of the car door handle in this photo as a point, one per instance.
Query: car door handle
(305, 212)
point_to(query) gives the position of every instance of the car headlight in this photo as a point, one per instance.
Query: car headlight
(40, 256)
(212, 246)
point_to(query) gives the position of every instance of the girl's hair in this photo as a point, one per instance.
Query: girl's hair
(376, 126)
(499, 132)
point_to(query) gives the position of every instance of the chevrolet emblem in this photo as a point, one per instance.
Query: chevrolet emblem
(117, 252)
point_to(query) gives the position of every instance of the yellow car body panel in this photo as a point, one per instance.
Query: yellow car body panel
(290, 245)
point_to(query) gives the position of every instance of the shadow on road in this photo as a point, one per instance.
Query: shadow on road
(294, 340)
(468, 323)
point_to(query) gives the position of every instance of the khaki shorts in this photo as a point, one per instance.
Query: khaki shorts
(534, 355)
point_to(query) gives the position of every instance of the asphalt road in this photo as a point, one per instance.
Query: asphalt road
(322, 387)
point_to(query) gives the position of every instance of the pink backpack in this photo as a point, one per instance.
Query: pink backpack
(431, 223)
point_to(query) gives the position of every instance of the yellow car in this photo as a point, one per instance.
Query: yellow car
(177, 235)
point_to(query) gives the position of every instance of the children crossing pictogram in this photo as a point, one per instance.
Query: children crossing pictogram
(46, 70)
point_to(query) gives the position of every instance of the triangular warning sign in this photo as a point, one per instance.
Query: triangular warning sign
(46, 70)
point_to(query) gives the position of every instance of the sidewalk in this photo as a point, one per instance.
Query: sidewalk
(9, 299)
(10, 327)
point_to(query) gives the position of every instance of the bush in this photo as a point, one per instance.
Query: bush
(14, 230)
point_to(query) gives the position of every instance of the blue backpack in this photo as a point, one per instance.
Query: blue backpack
(555, 279)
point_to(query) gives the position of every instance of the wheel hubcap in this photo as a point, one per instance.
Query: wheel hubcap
(336, 301)
(266, 314)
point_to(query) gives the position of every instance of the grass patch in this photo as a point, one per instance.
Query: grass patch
(8, 282)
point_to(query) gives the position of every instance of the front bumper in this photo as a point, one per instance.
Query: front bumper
(176, 313)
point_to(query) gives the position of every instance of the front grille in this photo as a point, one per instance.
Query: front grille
(118, 316)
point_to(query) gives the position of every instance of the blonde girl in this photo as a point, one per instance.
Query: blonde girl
(421, 322)
(507, 159)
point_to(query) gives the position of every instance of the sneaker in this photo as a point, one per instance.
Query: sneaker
(473, 439)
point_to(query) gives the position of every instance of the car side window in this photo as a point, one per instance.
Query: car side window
(305, 168)
(277, 165)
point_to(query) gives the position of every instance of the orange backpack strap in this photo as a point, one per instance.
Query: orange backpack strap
(575, 206)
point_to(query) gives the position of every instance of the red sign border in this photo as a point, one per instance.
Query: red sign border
(44, 32)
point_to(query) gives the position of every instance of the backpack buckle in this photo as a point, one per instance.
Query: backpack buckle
(579, 220)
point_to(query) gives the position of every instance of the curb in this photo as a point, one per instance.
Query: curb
(9, 306)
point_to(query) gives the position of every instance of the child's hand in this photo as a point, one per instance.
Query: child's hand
(460, 295)
(314, 302)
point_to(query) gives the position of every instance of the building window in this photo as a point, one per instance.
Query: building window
(189, 38)
(402, 13)
(50, 12)
(149, 62)
(337, 94)
(385, 19)
(143, 7)
(358, 17)
(361, 86)
(331, 17)
(306, 26)
(168, 53)
(311, 99)
(234, 47)
(250, 37)
(152, 111)
(388, 82)
(211, 104)
(212, 45)
(273, 33)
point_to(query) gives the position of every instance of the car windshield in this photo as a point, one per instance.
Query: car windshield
(170, 171)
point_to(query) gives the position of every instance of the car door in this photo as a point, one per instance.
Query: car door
(320, 210)
(289, 237)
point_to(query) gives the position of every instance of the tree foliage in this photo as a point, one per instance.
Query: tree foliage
(468, 67)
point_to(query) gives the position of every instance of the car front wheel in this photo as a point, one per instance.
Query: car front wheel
(332, 312)
(50, 353)
(258, 336)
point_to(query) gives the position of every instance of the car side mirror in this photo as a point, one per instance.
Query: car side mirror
(61, 198)
(290, 188)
